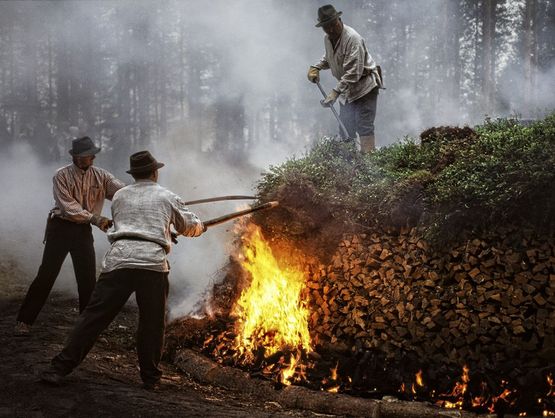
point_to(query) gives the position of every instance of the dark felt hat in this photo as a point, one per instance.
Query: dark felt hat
(327, 14)
(83, 147)
(143, 162)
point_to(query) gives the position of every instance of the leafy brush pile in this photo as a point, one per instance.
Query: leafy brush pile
(455, 181)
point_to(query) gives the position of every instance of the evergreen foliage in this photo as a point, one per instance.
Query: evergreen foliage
(453, 180)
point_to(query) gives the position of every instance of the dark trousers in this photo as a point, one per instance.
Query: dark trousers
(359, 115)
(110, 294)
(62, 237)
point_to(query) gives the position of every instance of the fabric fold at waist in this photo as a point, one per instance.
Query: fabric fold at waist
(136, 238)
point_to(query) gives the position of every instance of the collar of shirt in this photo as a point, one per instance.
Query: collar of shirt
(77, 170)
(335, 44)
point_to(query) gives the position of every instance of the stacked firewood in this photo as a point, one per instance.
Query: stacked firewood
(482, 303)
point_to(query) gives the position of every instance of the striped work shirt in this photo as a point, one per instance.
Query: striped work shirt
(78, 194)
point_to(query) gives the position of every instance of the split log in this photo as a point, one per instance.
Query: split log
(467, 302)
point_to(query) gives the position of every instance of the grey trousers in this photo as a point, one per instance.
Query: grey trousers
(358, 116)
(112, 290)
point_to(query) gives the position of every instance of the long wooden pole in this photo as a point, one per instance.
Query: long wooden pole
(233, 215)
(219, 199)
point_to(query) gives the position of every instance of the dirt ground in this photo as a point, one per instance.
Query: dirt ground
(107, 383)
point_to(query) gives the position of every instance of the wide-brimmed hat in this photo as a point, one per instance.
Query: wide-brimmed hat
(327, 14)
(143, 162)
(83, 147)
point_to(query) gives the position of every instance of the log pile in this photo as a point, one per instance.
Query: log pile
(387, 306)
(487, 303)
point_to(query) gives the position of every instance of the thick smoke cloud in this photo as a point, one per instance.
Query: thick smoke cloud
(27, 186)
(262, 49)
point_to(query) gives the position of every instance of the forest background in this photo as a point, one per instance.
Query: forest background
(218, 90)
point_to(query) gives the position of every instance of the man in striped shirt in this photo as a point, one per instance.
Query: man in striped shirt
(143, 213)
(79, 193)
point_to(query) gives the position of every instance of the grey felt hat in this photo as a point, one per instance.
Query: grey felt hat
(327, 14)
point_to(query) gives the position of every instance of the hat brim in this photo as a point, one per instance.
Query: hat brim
(87, 153)
(146, 168)
(328, 20)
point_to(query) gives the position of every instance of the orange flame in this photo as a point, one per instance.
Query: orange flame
(289, 372)
(271, 312)
(419, 380)
(504, 395)
(458, 391)
(334, 371)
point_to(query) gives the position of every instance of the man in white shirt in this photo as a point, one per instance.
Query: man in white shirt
(136, 262)
(358, 82)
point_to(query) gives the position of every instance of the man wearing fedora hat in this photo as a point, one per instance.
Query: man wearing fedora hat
(136, 262)
(358, 77)
(79, 193)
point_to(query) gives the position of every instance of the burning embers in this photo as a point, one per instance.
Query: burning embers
(272, 317)
(269, 336)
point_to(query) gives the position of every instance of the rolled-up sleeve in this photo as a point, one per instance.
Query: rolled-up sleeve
(69, 207)
(353, 66)
(184, 221)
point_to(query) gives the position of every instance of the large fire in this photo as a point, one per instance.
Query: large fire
(271, 313)
(270, 335)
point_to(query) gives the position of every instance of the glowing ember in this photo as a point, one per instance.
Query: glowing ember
(271, 312)
(288, 372)
(334, 371)
(504, 395)
(458, 391)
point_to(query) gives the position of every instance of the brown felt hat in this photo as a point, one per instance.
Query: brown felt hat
(143, 162)
(83, 147)
(327, 14)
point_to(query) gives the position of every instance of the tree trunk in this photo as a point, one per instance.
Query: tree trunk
(454, 33)
(530, 56)
(488, 54)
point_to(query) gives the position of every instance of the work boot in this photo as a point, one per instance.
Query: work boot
(21, 329)
(152, 386)
(367, 143)
(52, 377)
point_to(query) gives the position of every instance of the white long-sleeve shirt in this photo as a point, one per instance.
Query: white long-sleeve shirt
(351, 64)
(78, 194)
(143, 213)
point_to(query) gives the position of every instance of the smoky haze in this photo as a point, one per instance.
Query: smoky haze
(218, 91)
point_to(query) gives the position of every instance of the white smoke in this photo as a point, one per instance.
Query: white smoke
(263, 49)
(27, 187)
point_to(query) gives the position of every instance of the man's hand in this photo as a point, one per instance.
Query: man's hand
(101, 222)
(330, 98)
(174, 236)
(313, 74)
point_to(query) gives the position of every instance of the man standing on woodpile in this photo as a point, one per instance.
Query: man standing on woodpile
(137, 262)
(79, 193)
(357, 74)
